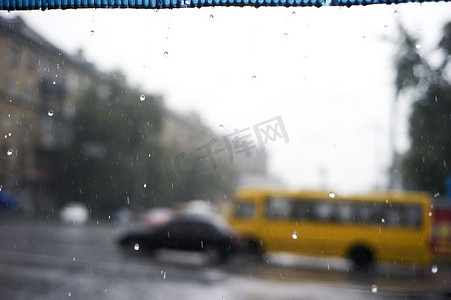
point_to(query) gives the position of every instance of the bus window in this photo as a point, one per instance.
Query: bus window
(279, 208)
(411, 216)
(364, 213)
(344, 212)
(393, 216)
(326, 211)
(323, 211)
(302, 210)
(245, 210)
(377, 213)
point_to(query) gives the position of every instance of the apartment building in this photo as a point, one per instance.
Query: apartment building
(39, 87)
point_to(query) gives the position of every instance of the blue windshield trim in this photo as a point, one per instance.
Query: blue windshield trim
(11, 5)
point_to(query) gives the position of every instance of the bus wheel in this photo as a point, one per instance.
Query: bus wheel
(361, 257)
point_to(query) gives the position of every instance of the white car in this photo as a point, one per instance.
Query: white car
(74, 213)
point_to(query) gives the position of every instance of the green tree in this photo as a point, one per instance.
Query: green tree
(114, 159)
(202, 181)
(426, 164)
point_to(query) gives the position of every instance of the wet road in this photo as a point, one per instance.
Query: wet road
(49, 260)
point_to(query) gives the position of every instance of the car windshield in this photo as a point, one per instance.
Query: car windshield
(318, 138)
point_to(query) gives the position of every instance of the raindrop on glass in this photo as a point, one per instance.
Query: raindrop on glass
(383, 220)
(92, 32)
(374, 288)
(430, 214)
(74, 259)
(142, 98)
(396, 13)
(418, 46)
(254, 77)
(331, 195)
(436, 195)
(221, 126)
(54, 82)
(145, 185)
(211, 16)
(70, 294)
(50, 113)
(10, 152)
(8, 13)
(165, 54)
(434, 269)
(294, 235)
(136, 247)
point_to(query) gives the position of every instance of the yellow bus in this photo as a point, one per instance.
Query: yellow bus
(393, 227)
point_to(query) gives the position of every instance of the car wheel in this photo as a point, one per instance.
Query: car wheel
(130, 245)
(255, 248)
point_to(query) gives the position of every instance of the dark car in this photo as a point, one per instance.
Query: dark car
(189, 233)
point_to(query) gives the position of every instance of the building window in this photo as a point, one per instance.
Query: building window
(24, 131)
(27, 95)
(31, 62)
(10, 88)
(6, 121)
(44, 67)
(13, 56)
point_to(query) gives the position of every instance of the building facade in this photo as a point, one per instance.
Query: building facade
(39, 88)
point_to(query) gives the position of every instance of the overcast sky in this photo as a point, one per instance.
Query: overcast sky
(326, 72)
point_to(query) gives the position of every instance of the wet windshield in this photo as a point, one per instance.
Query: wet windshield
(226, 153)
